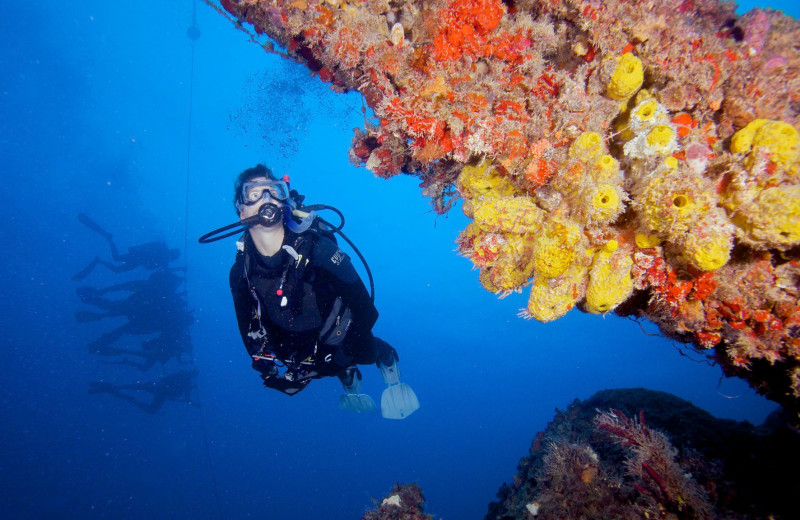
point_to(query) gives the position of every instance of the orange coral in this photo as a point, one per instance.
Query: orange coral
(464, 27)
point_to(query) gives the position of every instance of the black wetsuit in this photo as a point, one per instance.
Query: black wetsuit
(303, 313)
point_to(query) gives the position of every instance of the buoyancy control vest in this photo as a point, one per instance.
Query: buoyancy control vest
(299, 320)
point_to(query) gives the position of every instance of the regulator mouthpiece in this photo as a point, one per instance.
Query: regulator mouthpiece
(270, 214)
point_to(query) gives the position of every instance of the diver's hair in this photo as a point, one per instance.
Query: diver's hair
(259, 170)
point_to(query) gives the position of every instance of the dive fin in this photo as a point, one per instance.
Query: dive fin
(398, 402)
(94, 226)
(83, 273)
(358, 403)
(353, 400)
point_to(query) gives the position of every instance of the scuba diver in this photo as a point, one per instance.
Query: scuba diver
(177, 386)
(159, 290)
(151, 255)
(170, 343)
(303, 312)
(153, 306)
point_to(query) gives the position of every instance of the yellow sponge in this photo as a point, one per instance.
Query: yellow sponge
(480, 247)
(606, 204)
(646, 241)
(667, 207)
(551, 298)
(605, 168)
(483, 180)
(588, 145)
(671, 163)
(556, 247)
(518, 215)
(742, 141)
(627, 78)
(610, 281)
(512, 268)
(708, 249)
(777, 138)
(647, 113)
(651, 142)
(773, 218)
(661, 139)
(781, 140)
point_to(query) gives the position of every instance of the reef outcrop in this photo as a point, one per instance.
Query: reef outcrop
(405, 502)
(635, 157)
(637, 453)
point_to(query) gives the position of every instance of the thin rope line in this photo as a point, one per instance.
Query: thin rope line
(193, 37)
(188, 160)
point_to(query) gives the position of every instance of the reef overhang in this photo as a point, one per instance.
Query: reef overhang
(635, 157)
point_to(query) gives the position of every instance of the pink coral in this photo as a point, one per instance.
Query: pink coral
(756, 31)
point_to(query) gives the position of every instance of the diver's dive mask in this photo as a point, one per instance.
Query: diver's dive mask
(274, 193)
(255, 191)
(277, 199)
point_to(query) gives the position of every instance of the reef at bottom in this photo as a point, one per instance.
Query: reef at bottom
(637, 453)
(405, 502)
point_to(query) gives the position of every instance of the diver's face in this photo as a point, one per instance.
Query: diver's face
(251, 210)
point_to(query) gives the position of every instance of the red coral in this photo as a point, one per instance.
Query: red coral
(539, 171)
(653, 464)
(383, 163)
(714, 318)
(704, 286)
(464, 26)
(547, 86)
(707, 339)
(658, 479)
(734, 310)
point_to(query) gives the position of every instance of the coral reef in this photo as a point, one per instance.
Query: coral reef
(681, 463)
(640, 158)
(405, 502)
(652, 464)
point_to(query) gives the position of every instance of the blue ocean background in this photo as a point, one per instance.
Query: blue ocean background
(109, 109)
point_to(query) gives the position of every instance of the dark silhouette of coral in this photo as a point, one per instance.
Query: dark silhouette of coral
(681, 463)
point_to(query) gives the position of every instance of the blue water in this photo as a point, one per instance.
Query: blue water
(94, 118)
